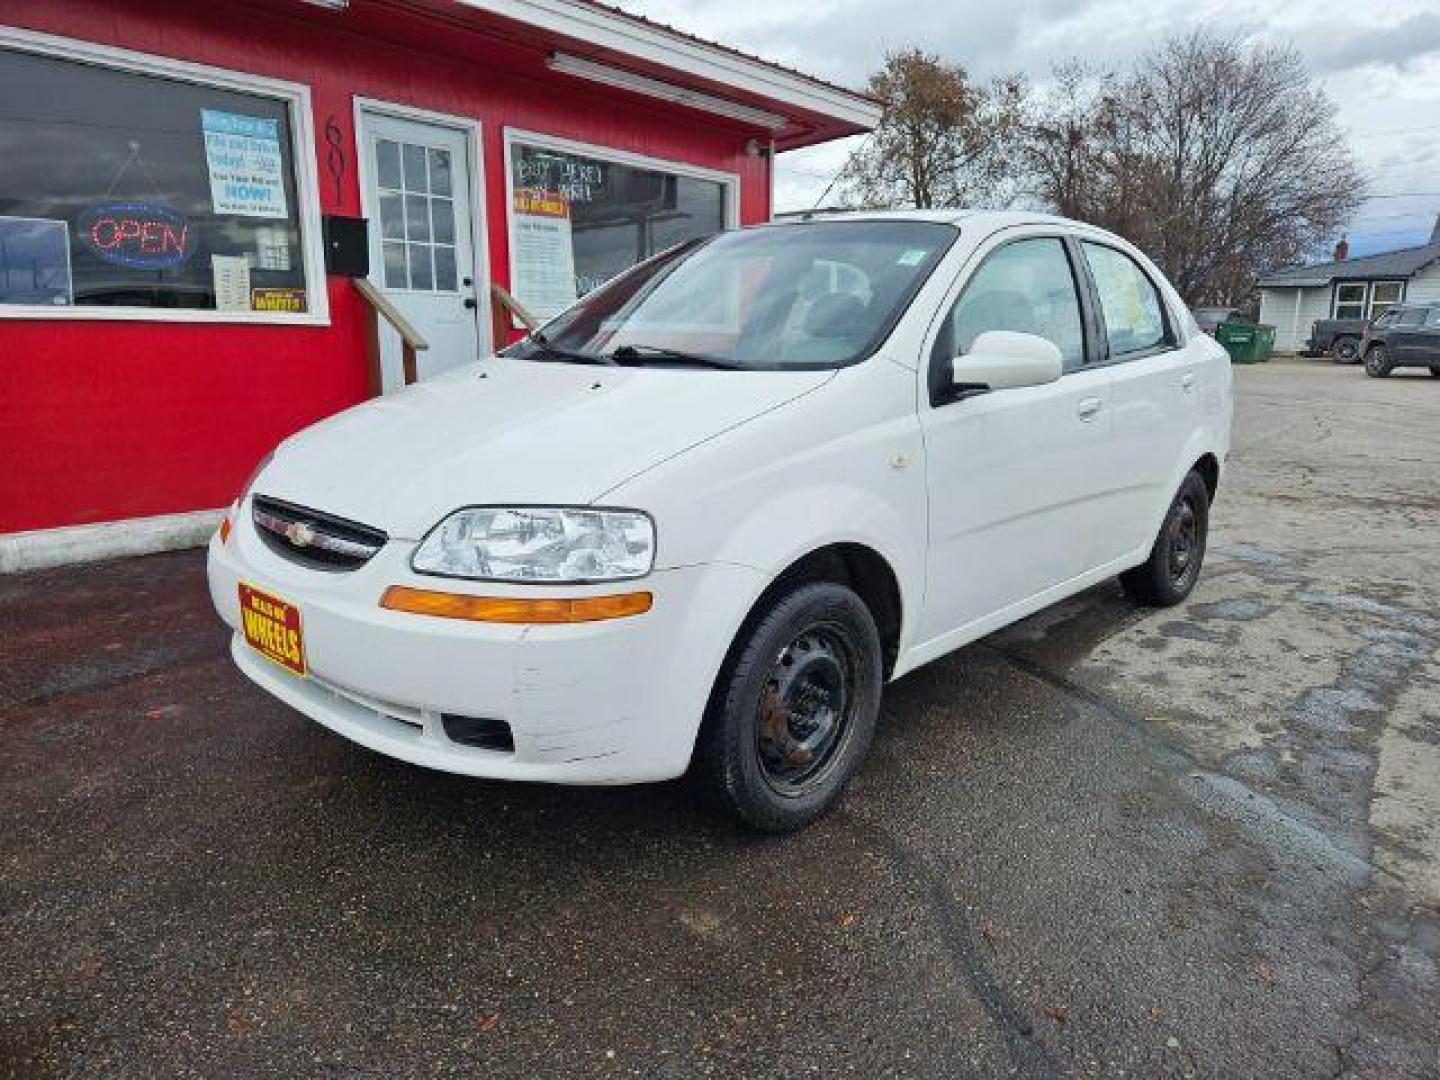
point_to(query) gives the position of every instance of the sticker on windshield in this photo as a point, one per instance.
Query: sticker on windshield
(913, 257)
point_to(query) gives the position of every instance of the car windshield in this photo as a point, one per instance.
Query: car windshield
(808, 295)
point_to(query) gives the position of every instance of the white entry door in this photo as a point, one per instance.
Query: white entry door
(417, 178)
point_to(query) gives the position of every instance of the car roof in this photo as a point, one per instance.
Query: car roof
(985, 220)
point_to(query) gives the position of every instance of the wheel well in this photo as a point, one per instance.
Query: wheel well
(1209, 469)
(859, 568)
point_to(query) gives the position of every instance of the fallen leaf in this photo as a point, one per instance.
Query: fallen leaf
(237, 1022)
(1263, 971)
(846, 920)
(1059, 1013)
(489, 1022)
(91, 967)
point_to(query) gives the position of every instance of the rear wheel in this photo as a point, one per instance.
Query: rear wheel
(1167, 577)
(1435, 369)
(794, 709)
(1377, 362)
(1346, 350)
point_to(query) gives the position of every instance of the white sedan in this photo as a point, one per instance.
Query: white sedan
(699, 520)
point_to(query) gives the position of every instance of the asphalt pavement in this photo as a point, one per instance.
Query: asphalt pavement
(1107, 841)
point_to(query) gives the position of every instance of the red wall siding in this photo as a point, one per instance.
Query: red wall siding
(108, 420)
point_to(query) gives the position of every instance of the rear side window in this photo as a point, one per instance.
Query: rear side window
(1433, 318)
(1027, 287)
(1134, 315)
(1411, 317)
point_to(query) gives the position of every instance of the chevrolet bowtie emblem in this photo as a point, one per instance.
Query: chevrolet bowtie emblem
(299, 534)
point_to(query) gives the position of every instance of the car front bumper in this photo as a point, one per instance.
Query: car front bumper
(609, 702)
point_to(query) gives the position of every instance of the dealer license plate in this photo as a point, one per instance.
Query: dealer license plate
(272, 628)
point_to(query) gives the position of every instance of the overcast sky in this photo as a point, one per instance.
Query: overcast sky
(1378, 59)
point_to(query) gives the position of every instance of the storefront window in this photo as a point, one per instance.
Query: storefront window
(577, 220)
(127, 190)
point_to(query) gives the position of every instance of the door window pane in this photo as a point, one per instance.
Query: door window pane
(577, 221)
(1129, 301)
(387, 164)
(444, 268)
(396, 275)
(440, 182)
(443, 215)
(420, 274)
(392, 217)
(417, 218)
(1026, 287)
(414, 158)
(119, 189)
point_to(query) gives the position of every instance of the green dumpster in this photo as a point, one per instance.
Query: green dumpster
(1247, 343)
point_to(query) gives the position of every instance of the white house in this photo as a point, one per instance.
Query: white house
(1291, 300)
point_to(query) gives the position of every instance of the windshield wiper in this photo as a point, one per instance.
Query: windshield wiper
(542, 343)
(641, 354)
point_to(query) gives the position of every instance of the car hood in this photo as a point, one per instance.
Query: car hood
(513, 431)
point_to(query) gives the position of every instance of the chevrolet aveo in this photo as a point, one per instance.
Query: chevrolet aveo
(698, 520)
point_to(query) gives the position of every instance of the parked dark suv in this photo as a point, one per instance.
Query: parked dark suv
(1408, 335)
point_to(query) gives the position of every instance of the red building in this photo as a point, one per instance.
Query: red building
(180, 185)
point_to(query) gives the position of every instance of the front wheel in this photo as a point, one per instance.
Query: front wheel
(1435, 370)
(1170, 573)
(794, 709)
(1377, 362)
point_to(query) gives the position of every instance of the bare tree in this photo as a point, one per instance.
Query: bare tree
(940, 141)
(1222, 161)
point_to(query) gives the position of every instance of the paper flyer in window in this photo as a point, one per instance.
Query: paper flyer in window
(543, 252)
(247, 170)
(35, 262)
(232, 282)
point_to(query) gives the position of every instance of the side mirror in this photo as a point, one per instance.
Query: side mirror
(1005, 360)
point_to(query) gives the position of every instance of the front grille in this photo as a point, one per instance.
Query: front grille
(312, 538)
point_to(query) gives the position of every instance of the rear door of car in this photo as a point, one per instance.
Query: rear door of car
(1429, 347)
(1154, 394)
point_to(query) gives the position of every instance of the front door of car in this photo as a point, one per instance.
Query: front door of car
(1405, 340)
(1155, 395)
(1429, 345)
(1012, 474)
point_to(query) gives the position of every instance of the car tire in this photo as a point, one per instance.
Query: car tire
(794, 709)
(1435, 370)
(1345, 350)
(1168, 576)
(1377, 362)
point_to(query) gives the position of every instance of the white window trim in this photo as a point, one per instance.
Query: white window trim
(729, 180)
(296, 97)
(479, 225)
(1368, 302)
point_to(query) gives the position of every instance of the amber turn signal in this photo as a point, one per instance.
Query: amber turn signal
(225, 529)
(512, 609)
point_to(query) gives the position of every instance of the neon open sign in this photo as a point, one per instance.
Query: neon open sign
(136, 235)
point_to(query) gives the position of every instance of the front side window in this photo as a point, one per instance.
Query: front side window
(128, 190)
(1027, 287)
(1384, 295)
(1432, 318)
(1410, 317)
(805, 296)
(1350, 301)
(578, 220)
(1129, 301)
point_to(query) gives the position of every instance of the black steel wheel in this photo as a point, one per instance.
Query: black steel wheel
(1346, 350)
(1170, 573)
(794, 708)
(1377, 362)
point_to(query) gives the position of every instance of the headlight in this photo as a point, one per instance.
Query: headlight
(539, 544)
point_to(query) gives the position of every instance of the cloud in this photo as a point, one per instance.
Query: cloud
(1399, 45)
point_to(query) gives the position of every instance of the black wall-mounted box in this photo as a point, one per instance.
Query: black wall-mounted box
(347, 246)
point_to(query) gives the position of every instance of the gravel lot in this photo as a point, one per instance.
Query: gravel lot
(1204, 841)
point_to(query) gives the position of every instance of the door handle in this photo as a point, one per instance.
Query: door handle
(1087, 409)
(1187, 381)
